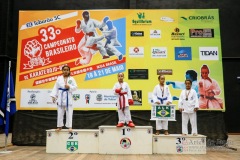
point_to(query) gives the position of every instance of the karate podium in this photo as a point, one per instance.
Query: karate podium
(125, 140)
(163, 112)
(178, 144)
(78, 141)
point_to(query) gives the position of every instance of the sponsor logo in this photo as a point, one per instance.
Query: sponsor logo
(72, 145)
(177, 35)
(76, 97)
(183, 53)
(125, 143)
(164, 72)
(99, 97)
(33, 99)
(208, 53)
(87, 98)
(136, 52)
(155, 33)
(201, 33)
(159, 52)
(141, 19)
(179, 148)
(167, 19)
(137, 34)
(207, 18)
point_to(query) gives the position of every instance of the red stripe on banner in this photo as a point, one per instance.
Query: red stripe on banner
(79, 71)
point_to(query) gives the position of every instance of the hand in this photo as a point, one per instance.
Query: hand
(78, 23)
(53, 99)
(118, 90)
(130, 102)
(181, 109)
(157, 102)
(200, 84)
(67, 86)
(105, 19)
(195, 109)
(168, 103)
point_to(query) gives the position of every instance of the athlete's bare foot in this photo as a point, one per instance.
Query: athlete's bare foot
(69, 129)
(58, 129)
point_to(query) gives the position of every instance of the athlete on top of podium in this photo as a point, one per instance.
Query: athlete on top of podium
(161, 95)
(188, 105)
(62, 94)
(124, 99)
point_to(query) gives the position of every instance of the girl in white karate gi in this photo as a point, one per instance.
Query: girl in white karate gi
(124, 99)
(209, 90)
(161, 95)
(188, 105)
(62, 94)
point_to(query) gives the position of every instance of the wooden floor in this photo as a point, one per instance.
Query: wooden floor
(39, 153)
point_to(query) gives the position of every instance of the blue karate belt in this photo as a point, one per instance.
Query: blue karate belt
(162, 99)
(64, 90)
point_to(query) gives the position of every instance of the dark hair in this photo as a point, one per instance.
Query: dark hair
(189, 80)
(193, 74)
(160, 76)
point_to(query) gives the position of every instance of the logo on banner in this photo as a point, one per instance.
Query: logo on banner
(201, 33)
(179, 148)
(72, 145)
(167, 19)
(137, 34)
(208, 53)
(87, 98)
(99, 97)
(76, 97)
(177, 35)
(155, 33)
(33, 99)
(183, 53)
(159, 52)
(141, 20)
(33, 50)
(125, 143)
(207, 18)
(136, 52)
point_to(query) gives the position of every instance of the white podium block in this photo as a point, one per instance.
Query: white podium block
(178, 144)
(79, 141)
(125, 140)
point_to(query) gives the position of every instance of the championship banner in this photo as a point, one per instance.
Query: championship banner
(141, 43)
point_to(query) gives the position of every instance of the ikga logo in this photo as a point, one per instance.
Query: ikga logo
(155, 33)
(183, 53)
(201, 33)
(141, 20)
(33, 99)
(208, 53)
(137, 34)
(125, 143)
(159, 52)
(72, 145)
(136, 52)
(179, 148)
(177, 35)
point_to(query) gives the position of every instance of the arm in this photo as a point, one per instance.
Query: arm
(196, 101)
(180, 102)
(154, 96)
(169, 96)
(72, 85)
